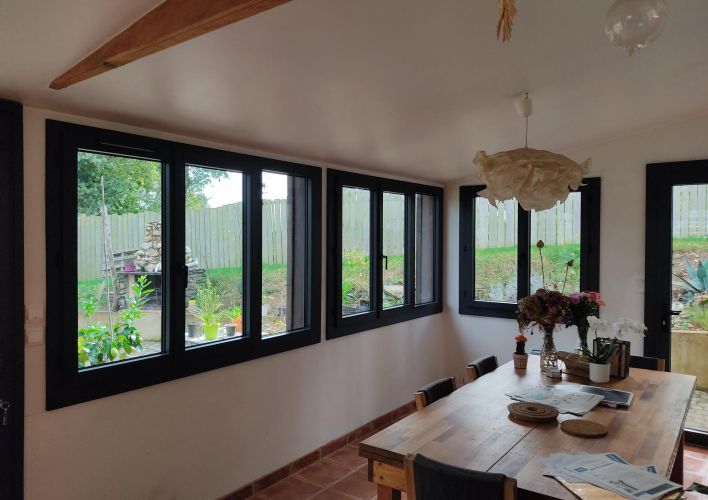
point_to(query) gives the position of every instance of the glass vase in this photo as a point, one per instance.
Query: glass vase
(549, 354)
(582, 345)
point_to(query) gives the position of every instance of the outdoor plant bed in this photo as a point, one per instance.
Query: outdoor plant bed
(688, 348)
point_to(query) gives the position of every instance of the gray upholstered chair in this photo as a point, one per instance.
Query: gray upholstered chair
(480, 367)
(433, 391)
(428, 479)
(648, 363)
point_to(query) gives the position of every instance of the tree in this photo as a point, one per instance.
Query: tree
(132, 185)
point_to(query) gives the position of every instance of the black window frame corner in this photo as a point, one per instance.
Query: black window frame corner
(589, 250)
(66, 384)
(338, 326)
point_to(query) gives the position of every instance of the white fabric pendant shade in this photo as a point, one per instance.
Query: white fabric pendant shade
(538, 179)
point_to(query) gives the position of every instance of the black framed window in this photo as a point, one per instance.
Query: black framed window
(499, 261)
(384, 239)
(166, 259)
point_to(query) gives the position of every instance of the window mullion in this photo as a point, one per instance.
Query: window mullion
(174, 234)
(252, 267)
(376, 238)
(523, 257)
(410, 250)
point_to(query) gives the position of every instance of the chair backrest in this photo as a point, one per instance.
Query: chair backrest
(647, 363)
(433, 391)
(480, 367)
(428, 479)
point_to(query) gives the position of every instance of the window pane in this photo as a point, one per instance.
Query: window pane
(559, 229)
(356, 262)
(214, 255)
(119, 259)
(394, 237)
(495, 251)
(424, 248)
(284, 245)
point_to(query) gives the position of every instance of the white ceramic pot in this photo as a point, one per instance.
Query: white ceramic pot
(599, 373)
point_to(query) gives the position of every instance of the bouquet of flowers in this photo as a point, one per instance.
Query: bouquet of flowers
(581, 305)
(544, 308)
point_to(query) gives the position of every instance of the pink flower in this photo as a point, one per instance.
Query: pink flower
(594, 296)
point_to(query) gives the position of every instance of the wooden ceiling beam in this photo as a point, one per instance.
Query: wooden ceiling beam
(170, 23)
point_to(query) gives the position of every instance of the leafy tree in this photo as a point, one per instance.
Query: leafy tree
(132, 185)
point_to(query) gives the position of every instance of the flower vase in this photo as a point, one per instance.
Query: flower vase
(582, 344)
(549, 354)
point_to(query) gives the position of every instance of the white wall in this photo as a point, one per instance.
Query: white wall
(621, 164)
(203, 436)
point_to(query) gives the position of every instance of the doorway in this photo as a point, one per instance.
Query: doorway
(676, 278)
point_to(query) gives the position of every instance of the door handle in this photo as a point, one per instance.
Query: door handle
(667, 316)
(385, 259)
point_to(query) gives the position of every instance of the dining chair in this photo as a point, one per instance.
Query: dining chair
(648, 363)
(480, 367)
(428, 479)
(433, 391)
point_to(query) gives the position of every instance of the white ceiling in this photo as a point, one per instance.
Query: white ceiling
(411, 87)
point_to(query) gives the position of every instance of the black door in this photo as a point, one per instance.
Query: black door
(676, 276)
(11, 302)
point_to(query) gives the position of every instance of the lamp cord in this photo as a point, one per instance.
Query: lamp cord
(526, 139)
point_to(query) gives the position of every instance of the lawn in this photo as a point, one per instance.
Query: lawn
(496, 268)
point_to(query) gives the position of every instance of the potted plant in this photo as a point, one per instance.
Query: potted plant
(208, 310)
(234, 315)
(521, 359)
(599, 359)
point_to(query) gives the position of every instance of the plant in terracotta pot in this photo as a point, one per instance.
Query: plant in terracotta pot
(234, 316)
(521, 359)
(599, 358)
(208, 310)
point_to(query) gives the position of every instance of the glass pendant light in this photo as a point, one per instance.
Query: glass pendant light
(633, 24)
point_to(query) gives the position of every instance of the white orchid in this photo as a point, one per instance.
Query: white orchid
(625, 325)
(596, 324)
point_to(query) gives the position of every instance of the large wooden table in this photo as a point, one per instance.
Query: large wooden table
(471, 429)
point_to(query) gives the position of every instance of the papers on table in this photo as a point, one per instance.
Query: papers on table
(565, 399)
(610, 472)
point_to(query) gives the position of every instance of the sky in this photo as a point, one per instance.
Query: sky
(230, 189)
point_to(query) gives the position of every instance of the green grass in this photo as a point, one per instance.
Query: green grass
(496, 270)
(690, 244)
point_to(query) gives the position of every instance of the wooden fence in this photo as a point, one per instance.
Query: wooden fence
(215, 239)
(690, 211)
(497, 227)
(214, 235)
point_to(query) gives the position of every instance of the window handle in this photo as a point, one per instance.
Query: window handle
(385, 259)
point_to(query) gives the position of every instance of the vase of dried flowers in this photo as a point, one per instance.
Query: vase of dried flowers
(544, 309)
(521, 359)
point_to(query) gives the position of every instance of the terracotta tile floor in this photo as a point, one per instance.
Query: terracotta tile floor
(695, 465)
(338, 476)
(342, 476)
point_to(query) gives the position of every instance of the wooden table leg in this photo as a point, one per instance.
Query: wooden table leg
(677, 469)
(386, 493)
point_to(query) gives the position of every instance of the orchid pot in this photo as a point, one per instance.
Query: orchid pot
(599, 373)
